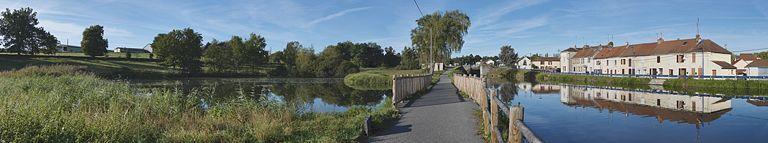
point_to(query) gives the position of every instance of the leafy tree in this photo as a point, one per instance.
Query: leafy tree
(409, 59)
(48, 42)
(253, 53)
(290, 51)
(508, 56)
(218, 57)
(439, 34)
(305, 62)
(762, 55)
(238, 51)
(332, 63)
(179, 48)
(391, 59)
(366, 54)
(20, 34)
(93, 42)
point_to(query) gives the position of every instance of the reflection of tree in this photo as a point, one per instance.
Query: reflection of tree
(507, 91)
(332, 93)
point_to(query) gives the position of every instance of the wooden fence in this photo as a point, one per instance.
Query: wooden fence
(403, 86)
(492, 108)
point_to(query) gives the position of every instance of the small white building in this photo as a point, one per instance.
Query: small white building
(757, 68)
(742, 61)
(524, 63)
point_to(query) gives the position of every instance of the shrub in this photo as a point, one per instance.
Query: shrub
(368, 81)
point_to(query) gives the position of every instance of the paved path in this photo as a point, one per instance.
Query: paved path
(440, 116)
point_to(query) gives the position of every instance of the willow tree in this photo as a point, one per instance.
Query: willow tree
(439, 34)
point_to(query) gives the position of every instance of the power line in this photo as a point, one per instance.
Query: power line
(417, 7)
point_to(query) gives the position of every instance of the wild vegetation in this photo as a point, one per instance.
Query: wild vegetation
(725, 87)
(20, 34)
(85, 108)
(593, 80)
(376, 79)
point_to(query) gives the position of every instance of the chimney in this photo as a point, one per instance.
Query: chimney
(661, 39)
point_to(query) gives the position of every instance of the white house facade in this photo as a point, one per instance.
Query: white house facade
(687, 57)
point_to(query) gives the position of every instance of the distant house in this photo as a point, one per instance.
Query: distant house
(742, 62)
(130, 50)
(69, 48)
(546, 63)
(757, 68)
(524, 63)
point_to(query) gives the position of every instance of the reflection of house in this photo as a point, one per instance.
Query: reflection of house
(68, 48)
(663, 106)
(539, 88)
(686, 57)
(130, 50)
(758, 102)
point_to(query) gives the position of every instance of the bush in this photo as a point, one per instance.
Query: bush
(368, 81)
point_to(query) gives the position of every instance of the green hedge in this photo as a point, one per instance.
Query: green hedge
(594, 80)
(726, 87)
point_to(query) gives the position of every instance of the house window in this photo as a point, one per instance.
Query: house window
(623, 61)
(658, 59)
(680, 58)
(630, 62)
(598, 62)
(550, 63)
(693, 57)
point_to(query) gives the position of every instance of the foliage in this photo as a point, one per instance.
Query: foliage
(253, 53)
(508, 56)
(179, 48)
(334, 62)
(97, 110)
(725, 87)
(366, 54)
(627, 82)
(467, 59)
(762, 55)
(409, 59)
(439, 34)
(368, 81)
(391, 58)
(20, 35)
(93, 42)
(218, 57)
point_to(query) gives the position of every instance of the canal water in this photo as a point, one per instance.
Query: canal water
(311, 94)
(568, 113)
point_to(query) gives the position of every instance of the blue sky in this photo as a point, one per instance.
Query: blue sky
(530, 26)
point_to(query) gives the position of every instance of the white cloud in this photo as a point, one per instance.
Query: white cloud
(335, 15)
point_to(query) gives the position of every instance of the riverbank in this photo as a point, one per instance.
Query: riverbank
(69, 104)
(380, 79)
(691, 86)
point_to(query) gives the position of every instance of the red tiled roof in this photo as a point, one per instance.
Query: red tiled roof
(724, 65)
(758, 63)
(545, 59)
(748, 57)
(655, 48)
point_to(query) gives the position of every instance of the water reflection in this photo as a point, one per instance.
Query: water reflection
(662, 106)
(316, 95)
(568, 113)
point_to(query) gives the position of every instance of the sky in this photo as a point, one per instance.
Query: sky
(529, 26)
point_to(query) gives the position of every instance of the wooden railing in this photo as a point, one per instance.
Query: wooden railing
(403, 86)
(492, 108)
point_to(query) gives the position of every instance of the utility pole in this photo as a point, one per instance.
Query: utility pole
(431, 43)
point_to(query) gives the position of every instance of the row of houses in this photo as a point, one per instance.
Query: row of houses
(77, 49)
(682, 57)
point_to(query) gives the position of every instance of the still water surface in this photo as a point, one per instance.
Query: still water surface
(567, 113)
(315, 95)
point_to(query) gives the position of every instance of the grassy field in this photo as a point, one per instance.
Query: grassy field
(108, 68)
(111, 54)
(66, 104)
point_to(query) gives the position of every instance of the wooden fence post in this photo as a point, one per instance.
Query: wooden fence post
(494, 116)
(515, 113)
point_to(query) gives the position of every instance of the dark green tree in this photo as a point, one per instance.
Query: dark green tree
(276, 57)
(48, 43)
(93, 42)
(367, 54)
(439, 34)
(253, 53)
(179, 49)
(19, 33)
(218, 57)
(508, 56)
(289, 53)
(409, 59)
(391, 59)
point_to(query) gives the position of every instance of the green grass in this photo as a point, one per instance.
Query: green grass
(725, 87)
(64, 104)
(107, 68)
(626, 82)
(376, 79)
(112, 55)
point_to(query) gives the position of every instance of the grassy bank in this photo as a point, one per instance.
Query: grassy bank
(67, 104)
(378, 79)
(121, 68)
(725, 87)
(593, 80)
